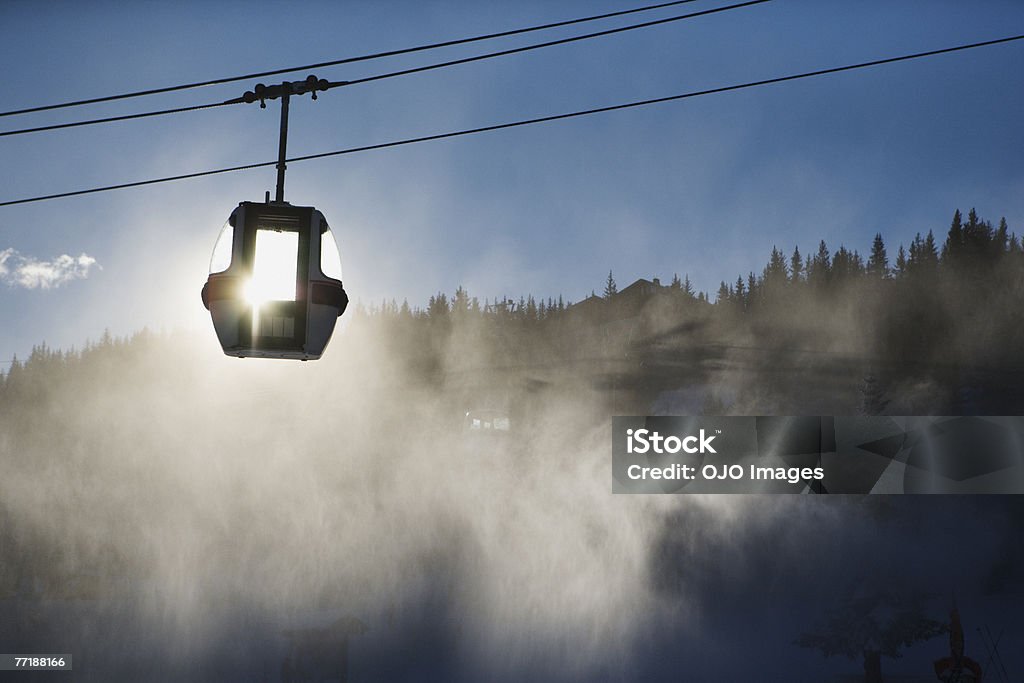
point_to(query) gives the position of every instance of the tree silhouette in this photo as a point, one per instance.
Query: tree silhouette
(460, 302)
(878, 262)
(978, 240)
(688, 286)
(437, 307)
(903, 329)
(843, 266)
(954, 239)
(796, 265)
(1002, 237)
(820, 266)
(776, 273)
(901, 262)
(610, 288)
(723, 293)
(929, 254)
(740, 292)
(531, 311)
(869, 627)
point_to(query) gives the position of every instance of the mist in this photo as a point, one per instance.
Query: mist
(171, 495)
(172, 514)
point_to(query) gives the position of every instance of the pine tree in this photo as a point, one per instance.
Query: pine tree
(979, 245)
(687, 286)
(437, 307)
(820, 266)
(916, 249)
(531, 308)
(954, 238)
(676, 282)
(776, 273)
(878, 263)
(929, 253)
(796, 265)
(842, 264)
(901, 262)
(723, 293)
(14, 372)
(1002, 237)
(610, 288)
(871, 626)
(460, 302)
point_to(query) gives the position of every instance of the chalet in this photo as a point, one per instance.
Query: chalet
(639, 292)
(627, 303)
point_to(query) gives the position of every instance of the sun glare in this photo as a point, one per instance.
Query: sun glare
(274, 267)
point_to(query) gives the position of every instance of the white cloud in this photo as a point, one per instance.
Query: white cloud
(18, 270)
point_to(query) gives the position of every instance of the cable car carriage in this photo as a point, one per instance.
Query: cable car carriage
(274, 289)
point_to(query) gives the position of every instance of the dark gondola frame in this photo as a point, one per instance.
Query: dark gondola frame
(298, 328)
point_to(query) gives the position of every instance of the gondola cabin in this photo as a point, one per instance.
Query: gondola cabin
(275, 289)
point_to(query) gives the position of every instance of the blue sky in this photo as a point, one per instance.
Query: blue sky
(704, 186)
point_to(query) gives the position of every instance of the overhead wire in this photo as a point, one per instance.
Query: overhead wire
(344, 60)
(526, 122)
(109, 119)
(405, 72)
(560, 41)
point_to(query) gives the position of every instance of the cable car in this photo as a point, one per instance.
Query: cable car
(274, 289)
